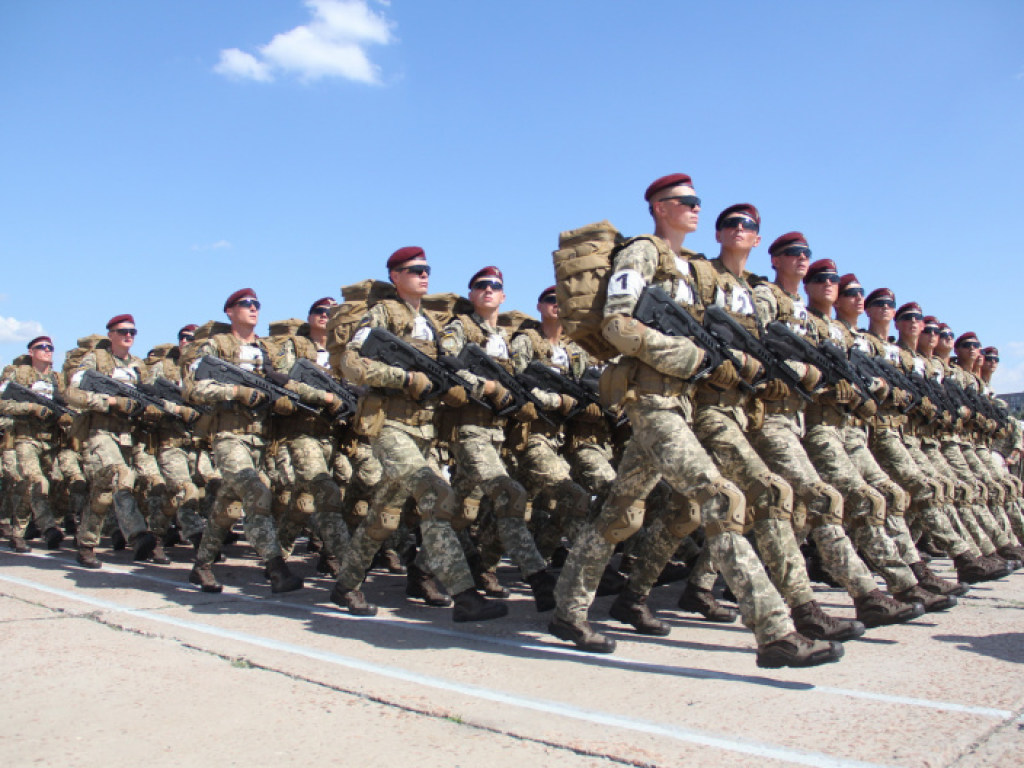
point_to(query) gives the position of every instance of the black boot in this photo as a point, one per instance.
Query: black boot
(543, 585)
(419, 583)
(143, 545)
(87, 557)
(470, 605)
(202, 576)
(631, 608)
(354, 601)
(582, 634)
(612, 582)
(811, 621)
(53, 537)
(282, 579)
(159, 555)
(702, 601)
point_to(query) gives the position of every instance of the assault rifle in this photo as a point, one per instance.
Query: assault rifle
(385, 347)
(478, 362)
(18, 393)
(542, 376)
(826, 357)
(165, 389)
(307, 372)
(101, 384)
(222, 371)
(889, 373)
(657, 310)
(731, 334)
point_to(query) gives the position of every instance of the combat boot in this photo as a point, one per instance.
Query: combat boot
(626, 564)
(928, 579)
(795, 650)
(143, 545)
(811, 621)
(930, 601)
(327, 564)
(202, 576)
(582, 635)
(281, 578)
(612, 582)
(631, 608)
(702, 601)
(816, 568)
(159, 555)
(117, 542)
(87, 557)
(970, 569)
(1011, 552)
(419, 583)
(19, 545)
(487, 582)
(470, 605)
(53, 537)
(877, 610)
(1003, 565)
(543, 585)
(671, 573)
(391, 561)
(353, 600)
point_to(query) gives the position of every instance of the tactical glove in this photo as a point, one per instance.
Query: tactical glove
(844, 392)
(527, 413)
(455, 397)
(567, 404)
(66, 420)
(41, 412)
(724, 376)
(284, 406)
(774, 390)
(417, 384)
(188, 415)
(249, 396)
(151, 414)
(811, 378)
(751, 369)
(500, 396)
(124, 405)
(867, 409)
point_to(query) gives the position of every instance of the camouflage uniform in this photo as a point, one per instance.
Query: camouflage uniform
(786, 423)
(113, 453)
(477, 441)
(404, 447)
(651, 383)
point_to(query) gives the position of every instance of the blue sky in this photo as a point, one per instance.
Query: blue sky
(156, 156)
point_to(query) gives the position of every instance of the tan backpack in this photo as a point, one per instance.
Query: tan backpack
(85, 344)
(583, 264)
(207, 330)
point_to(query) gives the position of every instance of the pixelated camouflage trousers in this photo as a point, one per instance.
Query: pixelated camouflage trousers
(779, 443)
(408, 470)
(35, 463)
(560, 503)
(478, 465)
(663, 445)
(108, 465)
(244, 494)
(970, 498)
(887, 445)
(182, 497)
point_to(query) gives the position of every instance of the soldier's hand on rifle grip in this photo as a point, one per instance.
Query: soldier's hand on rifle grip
(151, 414)
(811, 378)
(417, 384)
(249, 396)
(751, 369)
(41, 412)
(123, 405)
(567, 404)
(724, 377)
(456, 397)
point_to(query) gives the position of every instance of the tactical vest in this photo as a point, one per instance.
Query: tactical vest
(785, 312)
(232, 416)
(398, 406)
(32, 428)
(302, 422)
(112, 421)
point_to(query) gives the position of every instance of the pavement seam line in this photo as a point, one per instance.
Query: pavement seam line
(743, 746)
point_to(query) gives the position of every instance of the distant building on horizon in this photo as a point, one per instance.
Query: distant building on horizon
(1014, 401)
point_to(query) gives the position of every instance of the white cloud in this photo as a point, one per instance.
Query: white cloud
(217, 246)
(332, 44)
(16, 330)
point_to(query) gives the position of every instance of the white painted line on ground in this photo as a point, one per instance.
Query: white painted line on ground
(620, 661)
(742, 746)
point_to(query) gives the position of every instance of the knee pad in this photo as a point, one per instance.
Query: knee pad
(875, 502)
(624, 524)
(685, 517)
(723, 506)
(829, 503)
(383, 522)
(101, 503)
(467, 511)
(435, 499)
(576, 500)
(304, 505)
(508, 497)
(772, 498)
(897, 501)
(226, 515)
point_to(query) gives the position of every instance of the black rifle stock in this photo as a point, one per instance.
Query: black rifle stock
(542, 376)
(731, 334)
(889, 373)
(165, 389)
(222, 371)
(101, 384)
(826, 357)
(307, 372)
(18, 393)
(478, 362)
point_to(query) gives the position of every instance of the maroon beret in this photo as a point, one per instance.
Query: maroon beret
(820, 266)
(910, 306)
(990, 352)
(190, 328)
(672, 180)
(38, 339)
(847, 280)
(944, 327)
(969, 336)
(550, 289)
(242, 293)
(880, 293)
(326, 301)
(744, 208)
(931, 320)
(487, 272)
(402, 255)
(116, 319)
(786, 240)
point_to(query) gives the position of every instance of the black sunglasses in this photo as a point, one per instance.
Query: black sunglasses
(739, 222)
(44, 347)
(324, 311)
(824, 277)
(970, 344)
(851, 292)
(691, 200)
(992, 358)
(483, 285)
(247, 303)
(945, 334)
(930, 329)
(796, 250)
(890, 303)
(912, 316)
(186, 337)
(419, 270)
(126, 331)
(549, 299)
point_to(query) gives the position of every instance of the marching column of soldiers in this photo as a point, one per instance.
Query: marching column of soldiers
(669, 417)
